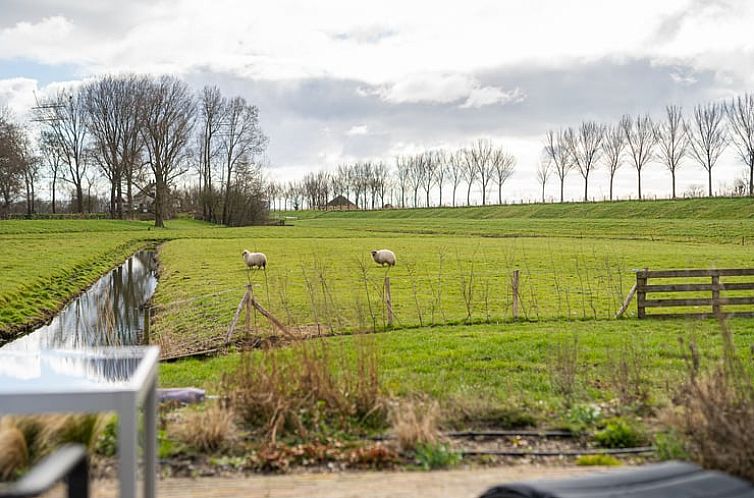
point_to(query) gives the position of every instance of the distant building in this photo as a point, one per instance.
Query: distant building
(340, 203)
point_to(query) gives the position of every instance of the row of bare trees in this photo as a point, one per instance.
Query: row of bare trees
(413, 178)
(639, 141)
(139, 135)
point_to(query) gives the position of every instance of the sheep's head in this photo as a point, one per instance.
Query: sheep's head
(373, 252)
(245, 252)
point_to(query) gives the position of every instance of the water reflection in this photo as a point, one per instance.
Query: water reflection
(109, 313)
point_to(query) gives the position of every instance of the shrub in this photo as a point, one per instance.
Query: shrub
(436, 456)
(415, 423)
(580, 418)
(619, 433)
(598, 460)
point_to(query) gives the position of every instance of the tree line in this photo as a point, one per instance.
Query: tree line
(139, 135)
(638, 141)
(409, 182)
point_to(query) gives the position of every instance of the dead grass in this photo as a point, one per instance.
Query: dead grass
(207, 430)
(308, 389)
(14, 454)
(717, 409)
(414, 423)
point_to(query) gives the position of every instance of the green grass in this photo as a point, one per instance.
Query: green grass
(508, 363)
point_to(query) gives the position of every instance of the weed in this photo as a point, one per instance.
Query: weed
(415, 423)
(670, 446)
(107, 443)
(581, 418)
(619, 433)
(207, 430)
(436, 456)
(15, 454)
(598, 461)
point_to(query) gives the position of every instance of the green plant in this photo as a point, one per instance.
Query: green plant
(107, 443)
(619, 433)
(580, 418)
(598, 461)
(670, 446)
(436, 456)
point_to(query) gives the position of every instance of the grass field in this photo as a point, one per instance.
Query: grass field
(451, 289)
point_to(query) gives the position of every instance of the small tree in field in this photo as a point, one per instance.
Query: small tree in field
(707, 137)
(672, 141)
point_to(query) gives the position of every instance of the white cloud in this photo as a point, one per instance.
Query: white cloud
(358, 130)
(489, 95)
(18, 94)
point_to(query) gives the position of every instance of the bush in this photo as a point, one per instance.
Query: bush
(581, 418)
(619, 433)
(598, 461)
(414, 424)
(436, 456)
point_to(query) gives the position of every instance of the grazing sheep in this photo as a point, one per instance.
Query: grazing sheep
(384, 257)
(255, 259)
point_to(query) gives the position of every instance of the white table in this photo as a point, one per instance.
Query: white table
(91, 380)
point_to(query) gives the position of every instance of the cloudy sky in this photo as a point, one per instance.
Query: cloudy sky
(338, 81)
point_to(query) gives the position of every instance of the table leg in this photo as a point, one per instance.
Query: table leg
(127, 449)
(150, 444)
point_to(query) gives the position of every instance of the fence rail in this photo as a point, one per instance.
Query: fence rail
(715, 302)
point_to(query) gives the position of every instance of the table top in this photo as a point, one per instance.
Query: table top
(76, 371)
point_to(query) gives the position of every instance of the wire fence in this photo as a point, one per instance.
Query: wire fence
(316, 300)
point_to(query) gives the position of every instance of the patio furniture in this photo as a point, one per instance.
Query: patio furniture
(68, 463)
(116, 379)
(671, 479)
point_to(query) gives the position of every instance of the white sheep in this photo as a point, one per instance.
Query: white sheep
(254, 259)
(384, 257)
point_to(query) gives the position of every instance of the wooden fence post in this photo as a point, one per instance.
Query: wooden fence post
(250, 291)
(388, 302)
(641, 292)
(514, 284)
(716, 295)
(237, 314)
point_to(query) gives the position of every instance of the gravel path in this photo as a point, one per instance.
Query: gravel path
(450, 483)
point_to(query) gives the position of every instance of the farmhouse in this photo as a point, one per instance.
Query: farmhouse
(341, 203)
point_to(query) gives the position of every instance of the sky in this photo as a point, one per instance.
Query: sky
(340, 81)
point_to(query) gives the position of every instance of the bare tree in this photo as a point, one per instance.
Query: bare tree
(212, 109)
(167, 110)
(380, 178)
(403, 170)
(111, 105)
(584, 146)
(455, 170)
(672, 141)
(558, 152)
(707, 136)
(11, 159)
(470, 172)
(441, 157)
(740, 112)
(544, 170)
(503, 165)
(478, 157)
(613, 146)
(242, 140)
(64, 117)
(641, 139)
(53, 161)
(416, 176)
(428, 163)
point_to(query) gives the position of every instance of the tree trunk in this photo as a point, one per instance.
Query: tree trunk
(159, 199)
(639, 171)
(440, 186)
(500, 194)
(612, 176)
(454, 195)
(751, 176)
(468, 195)
(562, 183)
(543, 192)
(586, 189)
(79, 198)
(428, 197)
(54, 182)
(709, 175)
(119, 197)
(672, 176)
(112, 199)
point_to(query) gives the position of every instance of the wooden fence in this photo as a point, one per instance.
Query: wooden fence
(715, 302)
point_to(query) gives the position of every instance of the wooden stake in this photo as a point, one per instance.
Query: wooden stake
(514, 284)
(626, 302)
(250, 291)
(388, 302)
(233, 323)
(271, 318)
